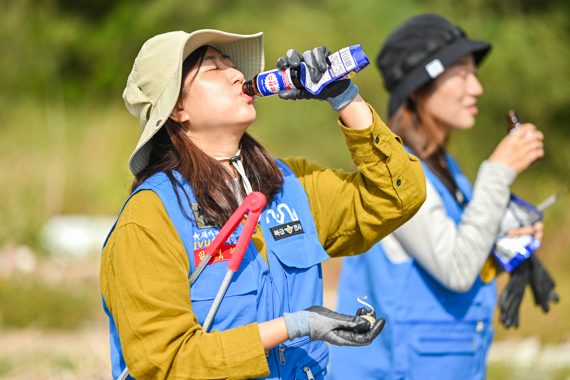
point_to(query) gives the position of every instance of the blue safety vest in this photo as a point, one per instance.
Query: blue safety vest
(431, 332)
(255, 294)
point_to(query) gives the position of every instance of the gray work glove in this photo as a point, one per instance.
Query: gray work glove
(320, 323)
(338, 93)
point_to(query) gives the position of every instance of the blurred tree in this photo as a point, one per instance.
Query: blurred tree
(508, 7)
(86, 49)
(88, 10)
(64, 64)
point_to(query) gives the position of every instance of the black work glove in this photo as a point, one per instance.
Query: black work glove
(320, 323)
(542, 284)
(338, 93)
(365, 311)
(512, 295)
(316, 61)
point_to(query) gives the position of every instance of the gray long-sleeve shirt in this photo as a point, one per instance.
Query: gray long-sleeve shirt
(454, 254)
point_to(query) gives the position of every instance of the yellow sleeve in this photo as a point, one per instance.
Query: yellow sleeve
(353, 211)
(144, 281)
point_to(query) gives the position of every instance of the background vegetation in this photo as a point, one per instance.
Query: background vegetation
(66, 136)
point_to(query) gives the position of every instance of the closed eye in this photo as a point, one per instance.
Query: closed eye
(212, 62)
(227, 60)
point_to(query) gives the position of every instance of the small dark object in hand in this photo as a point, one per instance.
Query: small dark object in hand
(514, 122)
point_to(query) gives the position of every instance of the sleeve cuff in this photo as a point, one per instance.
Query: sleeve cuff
(238, 351)
(297, 324)
(497, 172)
(343, 99)
(372, 144)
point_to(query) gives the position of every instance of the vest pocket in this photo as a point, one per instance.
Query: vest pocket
(314, 364)
(457, 357)
(239, 305)
(300, 254)
(303, 284)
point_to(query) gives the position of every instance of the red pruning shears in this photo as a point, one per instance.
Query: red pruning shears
(251, 206)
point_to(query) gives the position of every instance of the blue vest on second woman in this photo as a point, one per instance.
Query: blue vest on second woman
(255, 294)
(431, 332)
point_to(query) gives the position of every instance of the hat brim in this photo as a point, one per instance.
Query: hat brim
(246, 53)
(419, 76)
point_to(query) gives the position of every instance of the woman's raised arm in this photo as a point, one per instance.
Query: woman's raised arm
(353, 211)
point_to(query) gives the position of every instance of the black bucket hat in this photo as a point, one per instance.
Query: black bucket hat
(418, 51)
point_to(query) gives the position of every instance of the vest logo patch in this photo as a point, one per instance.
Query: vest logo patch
(202, 220)
(280, 216)
(223, 254)
(286, 230)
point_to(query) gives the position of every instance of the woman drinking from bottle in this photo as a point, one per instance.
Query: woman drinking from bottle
(193, 165)
(429, 279)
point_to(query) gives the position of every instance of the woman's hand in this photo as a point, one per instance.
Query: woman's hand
(519, 149)
(316, 61)
(320, 323)
(342, 95)
(338, 93)
(535, 230)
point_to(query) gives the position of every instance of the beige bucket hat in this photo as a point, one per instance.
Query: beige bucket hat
(154, 83)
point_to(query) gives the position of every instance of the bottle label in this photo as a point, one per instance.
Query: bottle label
(344, 64)
(271, 82)
(511, 251)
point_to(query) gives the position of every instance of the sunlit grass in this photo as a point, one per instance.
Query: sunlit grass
(27, 302)
(505, 372)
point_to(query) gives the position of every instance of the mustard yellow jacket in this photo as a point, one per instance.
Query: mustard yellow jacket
(144, 268)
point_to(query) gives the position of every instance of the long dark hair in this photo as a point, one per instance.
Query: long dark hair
(422, 134)
(417, 128)
(173, 150)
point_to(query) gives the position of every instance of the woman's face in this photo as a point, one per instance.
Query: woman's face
(214, 103)
(453, 100)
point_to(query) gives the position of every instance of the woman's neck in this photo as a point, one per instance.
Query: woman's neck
(218, 146)
(441, 133)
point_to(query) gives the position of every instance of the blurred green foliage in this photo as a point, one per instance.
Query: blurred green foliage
(26, 302)
(65, 63)
(66, 136)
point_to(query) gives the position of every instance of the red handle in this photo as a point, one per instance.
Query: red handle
(252, 204)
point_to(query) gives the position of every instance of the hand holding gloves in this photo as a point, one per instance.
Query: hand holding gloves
(320, 323)
(338, 93)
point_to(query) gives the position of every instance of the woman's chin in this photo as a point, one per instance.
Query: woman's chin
(465, 122)
(250, 121)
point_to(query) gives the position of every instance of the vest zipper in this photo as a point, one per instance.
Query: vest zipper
(270, 277)
(282, 356)
(307, 370)
(282, 350)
